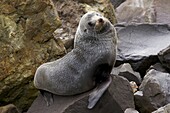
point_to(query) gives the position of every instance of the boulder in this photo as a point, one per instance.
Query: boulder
(156, 91)
(142, 40)
(116, 99)
(125, 70)
(10, 108)
(142, 103)
(75, 104)
(122, 92)
(164, 109)
(136, 11)
(142, 11)
(139, 44)
(70, 17)
(26, 41)
(164, 57)
(162, 10)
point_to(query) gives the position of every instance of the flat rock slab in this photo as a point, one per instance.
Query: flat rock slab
(143, 40)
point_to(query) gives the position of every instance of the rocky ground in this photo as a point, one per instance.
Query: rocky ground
(35, 31)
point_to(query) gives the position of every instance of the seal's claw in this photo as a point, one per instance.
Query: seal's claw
(98, 92)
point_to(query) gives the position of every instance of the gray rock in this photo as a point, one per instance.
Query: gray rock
(122, 92)
(158, 67)
(116, 99)
(164, 57)
(125, 70)
(142, 40)
(165, 109)
(156, 91)
(162, 10)
(136, 11)
(75, 104)
(116, 3)
(140, 44)
(142, 103)
(143, 11)
(131, 110)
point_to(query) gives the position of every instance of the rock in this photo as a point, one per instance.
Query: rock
(121, 91)
(68, 43)
(162, 10)
(116, 3)
(116, 99)
(143, 11)
(70, 17)
(158, 67)
(26, 41)
(142, 103)
(165, 109)
(75, 104)
(10, 108)
(164, 57)
(131, 110)
(141, 40)
(136, 11)
(126, 71)
(156, 91)
(140, 44)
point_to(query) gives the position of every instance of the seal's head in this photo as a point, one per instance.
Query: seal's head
(93, 23)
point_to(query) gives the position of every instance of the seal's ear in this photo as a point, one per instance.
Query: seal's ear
(98, 92)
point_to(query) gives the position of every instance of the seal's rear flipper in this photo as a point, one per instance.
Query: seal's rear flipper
(48, 97)
(98, 92)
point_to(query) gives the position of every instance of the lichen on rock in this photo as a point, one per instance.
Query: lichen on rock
(26, 41)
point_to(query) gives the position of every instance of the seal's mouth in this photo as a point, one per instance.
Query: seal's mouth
(100, 25)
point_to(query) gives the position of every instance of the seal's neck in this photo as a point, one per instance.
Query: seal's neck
(86, 37)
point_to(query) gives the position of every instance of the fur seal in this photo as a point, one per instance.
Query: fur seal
(88, 65)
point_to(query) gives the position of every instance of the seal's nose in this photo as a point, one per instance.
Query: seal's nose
(100, 20)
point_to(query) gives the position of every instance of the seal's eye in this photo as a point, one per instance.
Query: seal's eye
(90, 24)
(85, 30)
(98, 14)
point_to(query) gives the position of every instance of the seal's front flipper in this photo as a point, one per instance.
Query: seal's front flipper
(48, 97)
(98, 92)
